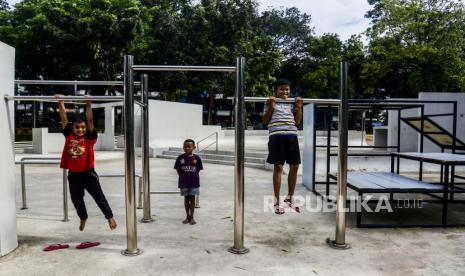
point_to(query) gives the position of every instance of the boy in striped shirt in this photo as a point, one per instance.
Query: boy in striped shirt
(283, 146)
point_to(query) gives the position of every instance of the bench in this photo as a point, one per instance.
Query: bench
(383, 182)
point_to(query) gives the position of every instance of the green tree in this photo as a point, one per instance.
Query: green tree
(211, 32)
(291, 34)
(415, 45)
(322, 67)
(4, 5)
(74, 39)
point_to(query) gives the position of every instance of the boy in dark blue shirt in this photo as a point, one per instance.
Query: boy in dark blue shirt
(188, 166)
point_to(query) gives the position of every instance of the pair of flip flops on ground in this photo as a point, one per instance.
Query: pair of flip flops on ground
(82, 245)
(280, 210)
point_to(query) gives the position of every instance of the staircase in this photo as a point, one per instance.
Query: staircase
(434, 132)
(252, 159)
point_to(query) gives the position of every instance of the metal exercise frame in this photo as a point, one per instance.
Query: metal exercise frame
(240, 99)
(129, 69)
(56, 160)
(238, 247)
(37, 161)
(367, 104)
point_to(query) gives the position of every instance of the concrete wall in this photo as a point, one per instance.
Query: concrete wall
(44, 142)
(408, 136)
(445, 122)
(309, 141)
(8, 231)
(107, 139)
(380, 136)
(171, 123)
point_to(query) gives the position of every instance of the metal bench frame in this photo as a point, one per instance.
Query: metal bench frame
(442, 189)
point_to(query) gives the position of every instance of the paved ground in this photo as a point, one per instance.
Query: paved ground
(291, 244)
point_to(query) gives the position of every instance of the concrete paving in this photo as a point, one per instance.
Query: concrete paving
(291, 244)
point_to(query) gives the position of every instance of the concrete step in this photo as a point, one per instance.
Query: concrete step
(219, 162)
(205, 156)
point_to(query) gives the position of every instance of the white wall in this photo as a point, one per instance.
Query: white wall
(308, 152)
(44, 142)
(171, 123)
(8, 232)
(408, 136)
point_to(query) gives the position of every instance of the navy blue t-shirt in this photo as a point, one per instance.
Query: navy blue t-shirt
(188, 168)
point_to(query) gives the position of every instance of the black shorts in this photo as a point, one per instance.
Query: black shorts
(282, 149)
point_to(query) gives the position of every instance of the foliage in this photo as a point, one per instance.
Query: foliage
(415, 45)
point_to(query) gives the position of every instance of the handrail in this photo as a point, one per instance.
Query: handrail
(215, 142)
(43, 160)
(72, 82)
(64, 98)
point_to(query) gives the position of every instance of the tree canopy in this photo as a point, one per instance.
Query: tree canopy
(411, 45)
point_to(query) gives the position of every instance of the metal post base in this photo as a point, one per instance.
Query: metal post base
(24, 208)
(65, 220)
(332, 243)
(128, 253)
(238, 251)
(140, 208)
(147, 220)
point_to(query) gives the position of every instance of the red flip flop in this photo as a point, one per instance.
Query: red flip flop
(85, 245)
(55, 247)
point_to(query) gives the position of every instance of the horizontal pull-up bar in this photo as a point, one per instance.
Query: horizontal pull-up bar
(289, 100)
(65, 98)
(181, 68)
(71, 82)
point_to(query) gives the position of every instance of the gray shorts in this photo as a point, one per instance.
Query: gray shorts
(190, 191)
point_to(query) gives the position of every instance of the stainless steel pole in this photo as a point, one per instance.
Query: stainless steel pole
(65, 196)
(144, 82)
(291, 100)
(65, 98)
(139, 199)
(129, 159)
(23, 187)
(363, 128)
(239, 118)
(71, 82)
(340, 241)
(197, 201)
(183, 68)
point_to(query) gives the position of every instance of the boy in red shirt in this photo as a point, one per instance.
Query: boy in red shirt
(78, 158)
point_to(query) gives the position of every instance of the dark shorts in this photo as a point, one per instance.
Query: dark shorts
(282, 149)
(190, 191)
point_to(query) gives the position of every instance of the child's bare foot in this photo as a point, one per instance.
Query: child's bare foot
(112, 223)
(192, 222)
(82, 225)
(186, 221)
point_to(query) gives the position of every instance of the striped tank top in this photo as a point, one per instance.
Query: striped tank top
(282, 121)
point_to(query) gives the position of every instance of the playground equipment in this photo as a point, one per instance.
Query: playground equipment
(239, 99)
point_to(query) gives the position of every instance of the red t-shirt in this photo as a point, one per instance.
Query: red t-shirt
(78, 152)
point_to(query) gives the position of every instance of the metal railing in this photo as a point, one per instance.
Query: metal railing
(65, 98)
(139, 178)
(72, 82)
(56, 160)
(37, 161)
(209, 145)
